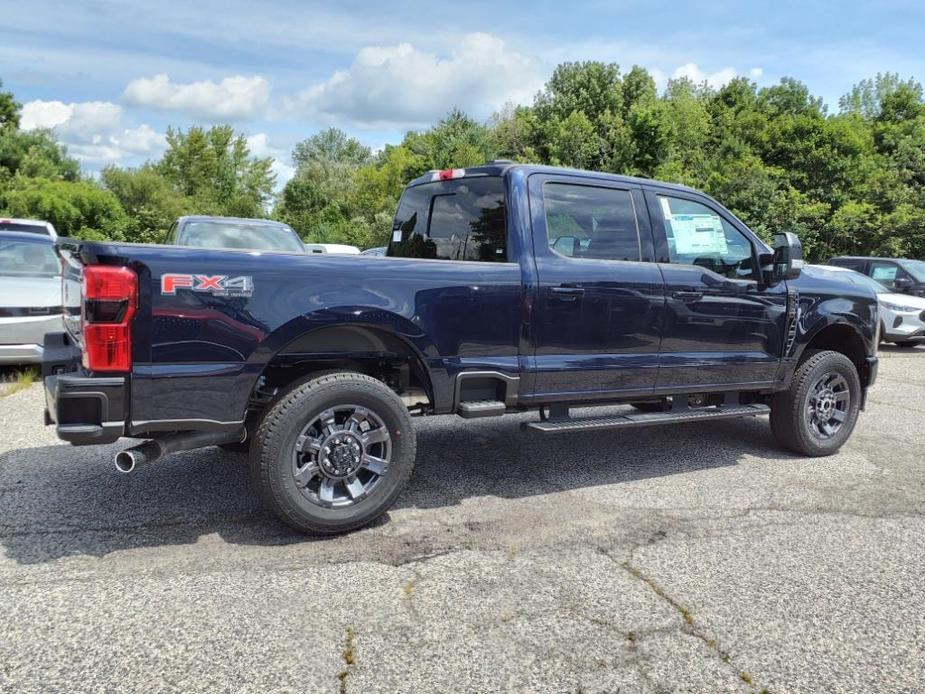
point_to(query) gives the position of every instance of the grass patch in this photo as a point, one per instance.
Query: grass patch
(17, 380)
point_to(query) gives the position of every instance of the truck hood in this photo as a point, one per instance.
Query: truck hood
(29, 292)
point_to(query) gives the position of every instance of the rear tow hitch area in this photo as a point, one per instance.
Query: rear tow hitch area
(145, 453)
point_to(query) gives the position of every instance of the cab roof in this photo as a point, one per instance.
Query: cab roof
(237, 220)
(501, 167)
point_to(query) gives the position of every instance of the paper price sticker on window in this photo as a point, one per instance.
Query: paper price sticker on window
(698, 234)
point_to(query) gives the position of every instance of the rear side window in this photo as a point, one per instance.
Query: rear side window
(462, 219)
(588, 222)
(850, 263)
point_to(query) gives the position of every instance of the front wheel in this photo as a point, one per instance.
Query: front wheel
(817, 414)
(334, 453)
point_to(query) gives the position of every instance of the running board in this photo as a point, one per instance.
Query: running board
(481, 408)
(630, 421)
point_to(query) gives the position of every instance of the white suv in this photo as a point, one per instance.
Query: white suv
(902, 316)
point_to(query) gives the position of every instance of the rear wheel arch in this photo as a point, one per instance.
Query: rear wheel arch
(360, 348)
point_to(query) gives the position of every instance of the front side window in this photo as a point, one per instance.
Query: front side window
(462, 219)
(697, 235)
(884, 273)
(588, 222)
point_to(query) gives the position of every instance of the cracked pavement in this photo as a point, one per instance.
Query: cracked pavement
(697, 558)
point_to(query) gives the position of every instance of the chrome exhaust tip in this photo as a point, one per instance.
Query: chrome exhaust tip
(125, 461)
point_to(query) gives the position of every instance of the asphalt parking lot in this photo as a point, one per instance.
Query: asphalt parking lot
(692, 558)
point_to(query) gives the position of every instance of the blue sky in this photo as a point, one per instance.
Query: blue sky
(111, 76)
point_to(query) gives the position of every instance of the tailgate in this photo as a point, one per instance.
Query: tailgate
(71, 287)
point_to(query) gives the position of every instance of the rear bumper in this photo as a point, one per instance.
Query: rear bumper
(20, 354)
(23, 338)
(84, 410)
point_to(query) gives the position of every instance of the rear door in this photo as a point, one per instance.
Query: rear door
(722, 326)
(595, 329)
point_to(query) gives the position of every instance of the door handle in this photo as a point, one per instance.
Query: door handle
(566, 293)
(687, 296)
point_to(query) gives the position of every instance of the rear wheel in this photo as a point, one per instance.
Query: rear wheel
(334, 453)
(818, 413)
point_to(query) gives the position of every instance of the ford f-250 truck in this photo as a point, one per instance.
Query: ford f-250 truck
(506, 288)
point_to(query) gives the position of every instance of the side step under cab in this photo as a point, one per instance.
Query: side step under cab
(481, 408)
(565, 423)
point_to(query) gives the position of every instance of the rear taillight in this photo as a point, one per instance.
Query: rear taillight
(110, 297)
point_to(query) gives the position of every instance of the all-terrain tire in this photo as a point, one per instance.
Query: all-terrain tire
(274, 443)
(790, 421)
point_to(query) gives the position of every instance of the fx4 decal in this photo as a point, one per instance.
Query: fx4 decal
(219, 285)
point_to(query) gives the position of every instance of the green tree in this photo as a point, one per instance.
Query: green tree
(149, 200)
(9, 110)
(80, 209)
(215, 169)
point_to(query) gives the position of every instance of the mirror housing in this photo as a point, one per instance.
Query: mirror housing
(787, 261)
(903, 284)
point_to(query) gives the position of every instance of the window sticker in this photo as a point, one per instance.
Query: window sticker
(884, 272)
(698, 234)
(396, 236)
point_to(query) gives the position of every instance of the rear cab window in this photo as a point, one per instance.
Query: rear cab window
(459, 219)
(6, 225)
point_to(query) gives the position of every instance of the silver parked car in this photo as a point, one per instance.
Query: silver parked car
(30, 295)
(29, 226)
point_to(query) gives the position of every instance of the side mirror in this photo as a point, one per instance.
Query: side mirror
(903, 284)
(788, 258)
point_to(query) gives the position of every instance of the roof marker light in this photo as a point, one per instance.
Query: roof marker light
(448, 174)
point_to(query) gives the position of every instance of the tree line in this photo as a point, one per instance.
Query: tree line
(848, 182)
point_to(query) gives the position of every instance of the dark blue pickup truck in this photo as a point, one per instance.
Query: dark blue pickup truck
(505, 289)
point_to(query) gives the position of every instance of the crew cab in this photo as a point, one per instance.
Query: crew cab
(505, 289)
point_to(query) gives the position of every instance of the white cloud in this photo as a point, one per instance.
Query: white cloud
(755, 72)
(261, 146)
(45, 114)
(234, 98)
(93, 130)
(400, 85)
(715, 79)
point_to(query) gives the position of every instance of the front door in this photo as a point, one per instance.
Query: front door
(721, 325)
(595, 321)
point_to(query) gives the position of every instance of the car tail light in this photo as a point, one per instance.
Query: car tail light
(110, 297)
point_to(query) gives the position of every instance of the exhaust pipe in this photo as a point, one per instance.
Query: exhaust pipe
(144, 453)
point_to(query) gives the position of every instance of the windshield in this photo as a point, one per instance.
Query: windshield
(916, 268)
(257, 237)
(27, 259)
